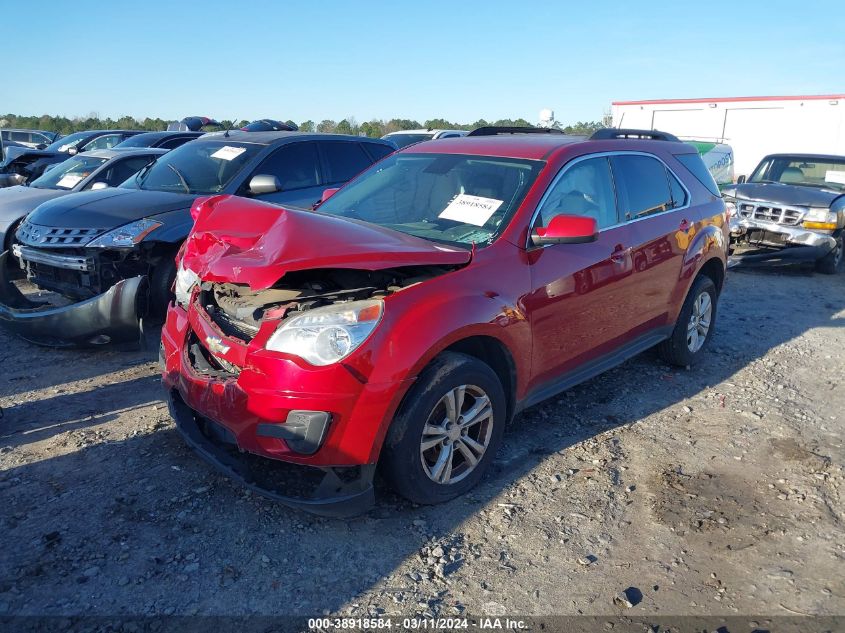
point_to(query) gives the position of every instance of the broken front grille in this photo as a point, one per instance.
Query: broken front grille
(36, 235)
(780, 214)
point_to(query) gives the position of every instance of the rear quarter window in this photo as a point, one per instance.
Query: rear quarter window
(698, 169)
(378, 151)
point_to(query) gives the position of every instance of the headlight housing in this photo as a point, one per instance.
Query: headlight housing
(186, 279)
(125, 236)
(323, 336)
(820, 219)
(730, 207)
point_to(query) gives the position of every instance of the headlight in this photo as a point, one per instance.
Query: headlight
(323, 336)
(821, 219)
(127, 235)
(186, 279)
(730, 207)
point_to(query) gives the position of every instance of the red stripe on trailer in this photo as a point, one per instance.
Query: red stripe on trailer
(730, 99)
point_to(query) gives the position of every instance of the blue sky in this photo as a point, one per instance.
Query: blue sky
(459, 60)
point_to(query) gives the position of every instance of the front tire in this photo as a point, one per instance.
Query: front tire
(161, 287)
(694, 327)
(447, 431)
(832, 263)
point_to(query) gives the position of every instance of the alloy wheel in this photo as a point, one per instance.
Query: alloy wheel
(456, 434)
(699, 321)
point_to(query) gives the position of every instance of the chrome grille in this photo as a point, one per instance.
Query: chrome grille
(36, 235)
(780, 214)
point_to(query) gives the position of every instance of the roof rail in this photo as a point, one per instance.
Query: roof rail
(609, 133)
(493, 130)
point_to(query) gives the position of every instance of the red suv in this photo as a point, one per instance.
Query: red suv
(453, 284)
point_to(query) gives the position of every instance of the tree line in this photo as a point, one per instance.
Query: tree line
(373, 128)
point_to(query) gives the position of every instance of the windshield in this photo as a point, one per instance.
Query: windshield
(66, 142)
(403, 140)
(441, 197)
(822, 172)
(68, 174)
(197, 168)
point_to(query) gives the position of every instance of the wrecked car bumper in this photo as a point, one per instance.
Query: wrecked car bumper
(334, 493)
(275, 409)
(10, 180)
(780, 242)
(111, 316)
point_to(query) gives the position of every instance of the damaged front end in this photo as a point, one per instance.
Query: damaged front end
(270, 349)
(768, 232)
(111, 316)
(89, 296)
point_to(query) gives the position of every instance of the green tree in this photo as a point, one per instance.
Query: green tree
(326, 126)
(346, 127)
(306, 126)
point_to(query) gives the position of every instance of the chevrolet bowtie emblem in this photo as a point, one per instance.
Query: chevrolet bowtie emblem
(215, 345)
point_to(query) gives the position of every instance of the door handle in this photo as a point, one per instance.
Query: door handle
(685, 225)
(620, 254)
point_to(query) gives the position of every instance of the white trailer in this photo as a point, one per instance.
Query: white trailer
(752, 126)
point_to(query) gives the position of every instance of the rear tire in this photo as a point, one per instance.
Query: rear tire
(694, 327)
(447, 431)
(832, 263)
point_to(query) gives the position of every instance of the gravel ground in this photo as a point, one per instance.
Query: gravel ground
(711, 491)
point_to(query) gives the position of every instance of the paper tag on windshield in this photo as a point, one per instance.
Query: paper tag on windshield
(69, 181)
(471, 209)
(835, 176)
(227, 152)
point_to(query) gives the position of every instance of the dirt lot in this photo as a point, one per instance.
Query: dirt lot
(713, 491)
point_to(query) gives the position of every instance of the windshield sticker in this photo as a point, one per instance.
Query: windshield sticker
(471, 209)
(835, 176)
(227, 152)
(69, 181)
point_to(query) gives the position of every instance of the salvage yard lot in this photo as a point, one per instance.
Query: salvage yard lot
(711, 491)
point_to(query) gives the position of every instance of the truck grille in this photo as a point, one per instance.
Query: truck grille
(36, 235)
(789, 216)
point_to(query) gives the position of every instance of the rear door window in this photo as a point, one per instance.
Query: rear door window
(344, 159)
(296, 165)
(643, 184)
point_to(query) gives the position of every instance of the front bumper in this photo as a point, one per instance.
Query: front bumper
(335, 494)
(10, 180)
(779, 242)
(248, 413)
(111, 316)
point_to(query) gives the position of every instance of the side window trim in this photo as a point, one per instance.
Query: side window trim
(559, 176)
(616, 190)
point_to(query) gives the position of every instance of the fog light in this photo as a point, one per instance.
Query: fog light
(302, 431)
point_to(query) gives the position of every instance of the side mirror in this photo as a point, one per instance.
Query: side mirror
(740, 180)
(99, 185)
(264, 183)
(567, 229)
(328, 193)
(41, 146)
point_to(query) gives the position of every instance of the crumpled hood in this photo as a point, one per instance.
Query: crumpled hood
(19, 200)
(779, 193)
(247, 242)
(26, 155)
(107, 208)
